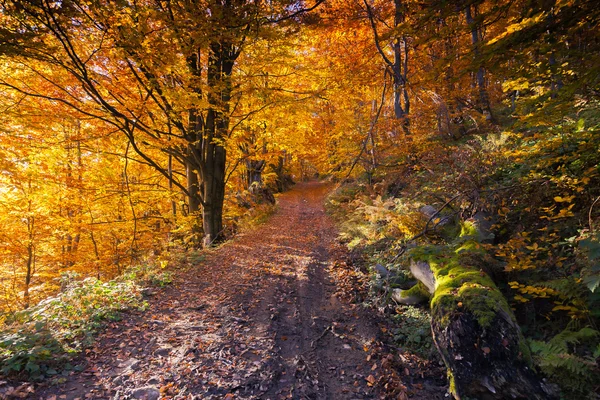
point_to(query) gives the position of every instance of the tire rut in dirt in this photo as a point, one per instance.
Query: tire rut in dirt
(320, 358)
(257, 320)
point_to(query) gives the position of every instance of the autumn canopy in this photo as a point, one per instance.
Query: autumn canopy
(129, 129)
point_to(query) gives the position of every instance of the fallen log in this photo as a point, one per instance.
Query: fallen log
(473, 326)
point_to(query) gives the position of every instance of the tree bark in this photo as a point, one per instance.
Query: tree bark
(30, 262)
(399, 65)
(473, 326)
(222, 57)
(484, 98)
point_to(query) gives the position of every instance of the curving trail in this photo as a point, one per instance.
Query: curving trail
(259, 318)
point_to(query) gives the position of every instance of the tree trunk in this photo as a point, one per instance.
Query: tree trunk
(473, 326)
(284, 180)
(193, 187)
(206, 159)
(220, 66)
(485, 363)
(400, 67)
(399, 112)
(213, 187)
(194, 159)
(484, 99)
(30, 258)
(254, 169)
(28, 275)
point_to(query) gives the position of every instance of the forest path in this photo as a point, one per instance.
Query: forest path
(257, 319)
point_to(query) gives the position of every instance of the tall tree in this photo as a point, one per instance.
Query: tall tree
(398, 62)
(476, 38)
(158, 71)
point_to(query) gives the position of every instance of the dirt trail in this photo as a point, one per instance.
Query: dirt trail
(257, 319)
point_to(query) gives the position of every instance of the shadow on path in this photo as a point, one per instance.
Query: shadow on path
(258, 319)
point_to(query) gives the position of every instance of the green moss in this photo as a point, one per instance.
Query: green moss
(450, 231)
(468, 229)
(452, 383)
(418, 290)
(461, 282)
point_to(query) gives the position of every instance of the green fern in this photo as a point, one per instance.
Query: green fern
(569, 288)
(577, 374)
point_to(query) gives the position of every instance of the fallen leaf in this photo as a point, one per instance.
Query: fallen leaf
(371, 380)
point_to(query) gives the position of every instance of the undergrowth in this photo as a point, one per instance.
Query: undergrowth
(573, 370)
(41, 341)
(539, 190)
(412, 330)
(370, 225)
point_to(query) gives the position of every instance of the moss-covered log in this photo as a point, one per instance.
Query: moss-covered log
(417, 294)
(474, 328)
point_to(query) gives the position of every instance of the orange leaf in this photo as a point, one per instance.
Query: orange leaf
(370, 380)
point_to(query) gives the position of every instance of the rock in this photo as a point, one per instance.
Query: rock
(148, 292)
(483, 225)
(430, 211)
(118, 381)
(132, 363)
(382, 271)
(153, 380)
(146, 393)
(402, 283)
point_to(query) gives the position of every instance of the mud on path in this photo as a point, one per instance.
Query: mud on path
(259, 318)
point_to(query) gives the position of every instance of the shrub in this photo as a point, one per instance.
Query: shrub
(41, 340)
(413, 330)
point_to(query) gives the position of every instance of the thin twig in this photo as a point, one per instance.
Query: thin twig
(590, 214)
(371, 128)
(312, 344)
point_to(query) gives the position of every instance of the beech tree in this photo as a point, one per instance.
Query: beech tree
(160, 72)
(398, 63)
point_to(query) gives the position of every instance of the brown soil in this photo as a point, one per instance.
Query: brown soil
(264, 316)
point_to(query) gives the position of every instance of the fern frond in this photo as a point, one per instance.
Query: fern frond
(568, 288)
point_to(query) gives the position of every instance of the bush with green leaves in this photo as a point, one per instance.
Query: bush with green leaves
(39, 341)
(591, 272)
(149, 274)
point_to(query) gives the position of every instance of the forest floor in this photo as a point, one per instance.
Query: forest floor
(266, 315)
